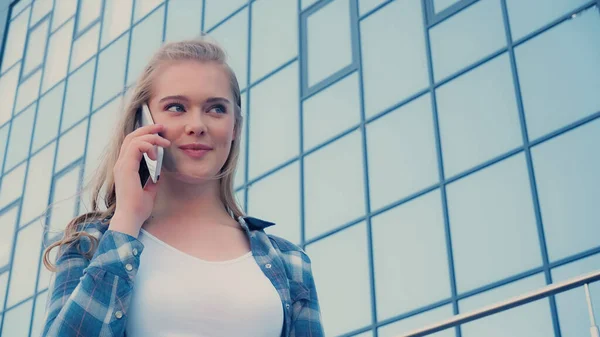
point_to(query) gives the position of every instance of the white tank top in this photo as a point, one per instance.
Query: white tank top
(178, 295)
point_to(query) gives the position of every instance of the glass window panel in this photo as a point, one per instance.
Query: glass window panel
(15, 40)
(331, 111)
(45, 274)
(110, 77)
(102, 124)
(38, 314)
(419, 321)
(217, 10)
(28, 91)
(4, 283)
(274, 28)
(71, 146)
(402, 153)
(3, 141)
(392, 49)
(17, 320)
(117, 19)
(566, 172)
(25, 263)
(20, 138)
(240, 172)
(37, 187)
(529, 320)
(144, 7)
(89, 10)
(485, 97)
(79, 95)
(40, 9)
(365, 6)
(307, 3)
(348, 245)
(527, 16)
(467, 37)
(183, 19)
(334, 185)
(281, 188)
(8, 92)
(85, 47)
(146, 39)
(8, 223)
(233, 37)
(12, 185)
(329, 41)
(63, 10)
(64, 200)
(399, 235)
(48, 117)
(18, 7)
(57, 60)
(572, 305)
(440, 5)
(559, 74)
(36, 47)
(274, 107)
(484, 243)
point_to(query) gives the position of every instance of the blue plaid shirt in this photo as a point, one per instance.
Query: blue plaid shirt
(92, 297)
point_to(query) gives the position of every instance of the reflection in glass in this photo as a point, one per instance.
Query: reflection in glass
(486, 210)
(467, 37)
(342, 256)
(334, 185)
(183, 19)
(20, 138)
(15, 39)
(274, 131)
(409, 245)
(146, 39)
(232, 35)
(85, 47)
(393, 55)
(8, 223)
(37, 186)
(36, 47)
(559, 74)
(79, 95)
(401, 152)
(8, 91)
(419, 321)
(17, 320)
(110, 76)
(48, 117)
(57, 59)
(282, 188)
(566, 172)
(25, 263)
(329, 41)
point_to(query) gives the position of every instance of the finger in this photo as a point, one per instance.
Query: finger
(134, 153)
(144, 130)
(155, 140)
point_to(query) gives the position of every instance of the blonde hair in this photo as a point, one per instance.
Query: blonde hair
(201, 50)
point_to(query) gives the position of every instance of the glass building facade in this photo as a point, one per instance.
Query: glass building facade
(431, 156)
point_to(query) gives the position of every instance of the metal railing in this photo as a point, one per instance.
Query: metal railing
(549, 290)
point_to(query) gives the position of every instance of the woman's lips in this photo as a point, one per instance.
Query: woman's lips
(195, 153)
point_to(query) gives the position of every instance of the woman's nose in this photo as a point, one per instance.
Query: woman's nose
(195, 125)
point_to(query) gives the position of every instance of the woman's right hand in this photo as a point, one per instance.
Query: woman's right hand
(134, 203)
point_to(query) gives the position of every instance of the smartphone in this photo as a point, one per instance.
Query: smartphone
(149, 169)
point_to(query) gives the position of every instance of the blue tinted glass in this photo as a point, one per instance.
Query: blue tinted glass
(48, 117)
(478, 116)
(486, 209)
(572, 305)
(566, 172)
(274, 28)
(3, 284)
(8, 223)
(85, 47)
(89, 10)
(419, 321)
(63, 10)
(117, 19)
(414, 229)
(393, 55)
(331, 111)
(401, 152)
(306, 3)
(467, 37)
(64, 200)
(366, 5)
(559, 74)
(233, 37)
(17, 320)
(329, 41)
(527, 16)
(36, 47)
(71, 145)
(57, 57)
(274, 131)
(20, 137)
(8, 92)
(18, 7)
(530, 320)
(25, 264)
(337, 281)
(40, 9)
(183, 19)
(3, 140)
(440, 5)
(146, 39)
(111, 71)
(12, 185)
(334, 185)
(37, 186)
(217, 10)
(28, 91)
(142, 8)
(79, 95)
(39, 313)
(281, 188)
(15, 40)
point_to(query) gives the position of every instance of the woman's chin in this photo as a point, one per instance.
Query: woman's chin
(191, 177)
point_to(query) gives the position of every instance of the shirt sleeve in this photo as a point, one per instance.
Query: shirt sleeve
(306, 312)
(92, 297)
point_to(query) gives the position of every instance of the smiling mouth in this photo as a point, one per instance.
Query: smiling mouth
(195, 153)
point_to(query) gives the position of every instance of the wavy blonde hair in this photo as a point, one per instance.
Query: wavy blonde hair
(201, 50)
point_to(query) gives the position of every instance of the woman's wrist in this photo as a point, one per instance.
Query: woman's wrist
(125, 224)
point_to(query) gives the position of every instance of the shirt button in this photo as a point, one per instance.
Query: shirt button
(119, 314)
(135, 252)
(287, 306)
(129, 267)
(268, 266)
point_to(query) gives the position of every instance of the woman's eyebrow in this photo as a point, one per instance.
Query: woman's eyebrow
(177, 97)
(217, 99)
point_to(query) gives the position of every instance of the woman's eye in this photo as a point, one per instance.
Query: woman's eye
(219, 108)
(175, 107)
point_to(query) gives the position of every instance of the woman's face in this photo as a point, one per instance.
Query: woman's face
(193, 100)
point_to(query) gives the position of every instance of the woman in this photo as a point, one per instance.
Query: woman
(178, 258)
